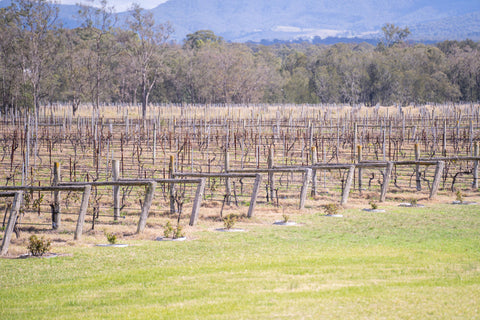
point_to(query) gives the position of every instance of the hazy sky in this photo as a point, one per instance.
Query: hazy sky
(120, 5)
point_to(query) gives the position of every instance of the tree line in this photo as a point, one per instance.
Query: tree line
(134, 61)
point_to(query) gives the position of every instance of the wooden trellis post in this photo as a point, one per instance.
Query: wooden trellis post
(116, 189)
(171, 173)
(56, 219)
(197, 202)
(147, 202)
(475, 166)
(303, 193)
(154, 152)
(17, 200)
(83, 212)
(271, 181)
(228, 186)
(348, 185)
(313, 151)
(253, 199)
(360, 170)
(386, 181)
(437, 178)
(417, 168)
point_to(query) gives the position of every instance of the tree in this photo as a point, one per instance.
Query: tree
(73, 67)
(145, 47)
(200, 38)
(10, 61)
(393, 34)
(97, 31)
(297, 77)
(35, 41)
(464, 71)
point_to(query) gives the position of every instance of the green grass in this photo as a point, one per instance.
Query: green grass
(404, 264)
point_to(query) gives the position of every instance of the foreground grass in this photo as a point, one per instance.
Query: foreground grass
(406, 263)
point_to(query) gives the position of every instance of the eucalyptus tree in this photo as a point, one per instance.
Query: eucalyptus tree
(393, 35)
(200, 38)
(10, 61)
(464, 70)
(98, 33)
(296, 88)
(146, 45)
(269, 81)
(227, 73)
(30, 26)
(72, 69)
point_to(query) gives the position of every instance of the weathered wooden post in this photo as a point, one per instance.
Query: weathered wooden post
(360, 170)
(171, 173)
(154, 155)
(228, 185)
(475, 166)
(17, 200)
(197, 202)
(271, 181)
(142, 222)
(417, 168)
(444, 146)
(56, 219)
(116, 189)
(348, 185)
(257, 155)
(313, 151)
(384, 148)
(437, 179)
(253, 199)
(82, 212)
(354, 142)
(386, 180)
(303, 193)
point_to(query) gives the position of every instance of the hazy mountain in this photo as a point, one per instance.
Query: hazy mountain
(243, 20)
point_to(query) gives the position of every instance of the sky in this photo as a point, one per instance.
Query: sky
(120, 5)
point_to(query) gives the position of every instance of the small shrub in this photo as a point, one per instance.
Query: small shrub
(38, 246)
(111, 238)
(178, 232)
(373, 205)
(331, 209)
(459, 196)
(229, 221)
(168, 230)
(286, 217)
(413, 202)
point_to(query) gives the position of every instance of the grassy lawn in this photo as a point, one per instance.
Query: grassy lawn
(407, 263)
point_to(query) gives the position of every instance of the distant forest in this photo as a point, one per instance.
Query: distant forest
(101, 63)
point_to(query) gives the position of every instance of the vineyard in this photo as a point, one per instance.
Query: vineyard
(280, 143)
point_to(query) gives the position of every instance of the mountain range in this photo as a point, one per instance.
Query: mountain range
(255, 20)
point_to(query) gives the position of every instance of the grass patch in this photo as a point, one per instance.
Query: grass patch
(407, 263)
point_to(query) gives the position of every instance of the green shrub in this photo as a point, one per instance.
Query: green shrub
(174, 233)
(38, 246)
(111, 238)
(459, 196)
(178, 232)
(286, 217)
(373, 205)
(229, 221)
(168, 230)
(331, 208)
